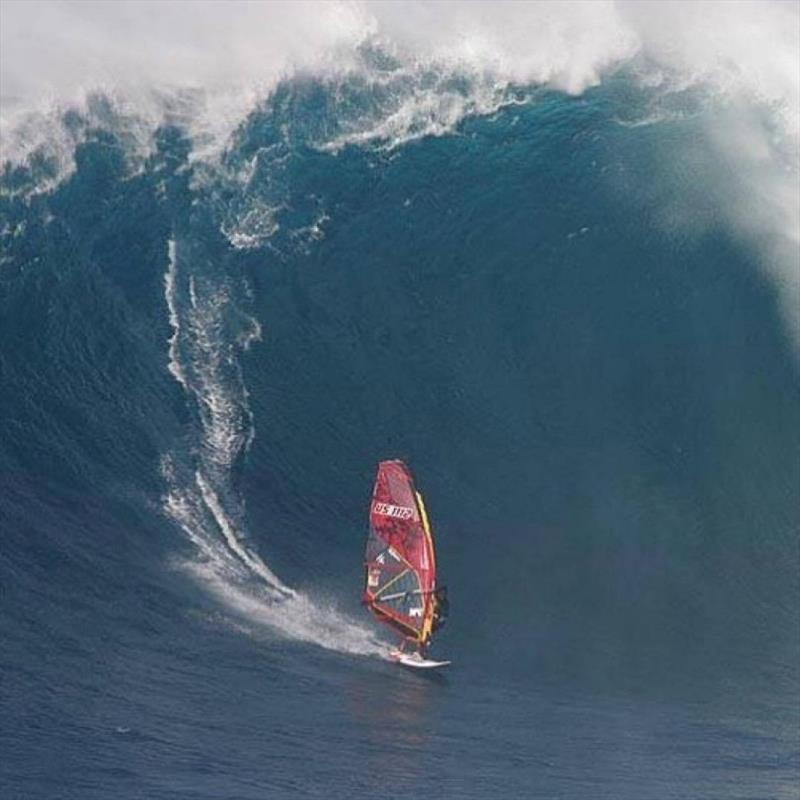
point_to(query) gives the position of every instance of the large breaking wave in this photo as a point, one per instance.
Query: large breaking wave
(319, 78)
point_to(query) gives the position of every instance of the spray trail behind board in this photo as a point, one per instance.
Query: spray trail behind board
(209, 333)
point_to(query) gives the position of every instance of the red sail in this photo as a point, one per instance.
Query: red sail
(400, 560)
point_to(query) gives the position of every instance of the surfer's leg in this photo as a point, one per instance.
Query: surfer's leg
(408, 644)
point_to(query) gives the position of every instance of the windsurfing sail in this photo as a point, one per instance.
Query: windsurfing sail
(400, 584)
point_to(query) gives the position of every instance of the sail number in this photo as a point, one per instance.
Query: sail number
(388, 510)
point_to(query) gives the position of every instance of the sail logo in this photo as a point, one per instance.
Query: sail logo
(388, 510)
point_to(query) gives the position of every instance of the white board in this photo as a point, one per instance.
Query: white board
(415, 660)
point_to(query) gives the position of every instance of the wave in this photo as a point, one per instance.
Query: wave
(326, 77)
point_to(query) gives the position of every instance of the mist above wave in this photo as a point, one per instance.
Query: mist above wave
(61, 54)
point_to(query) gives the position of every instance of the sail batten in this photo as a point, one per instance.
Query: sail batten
(400, 587)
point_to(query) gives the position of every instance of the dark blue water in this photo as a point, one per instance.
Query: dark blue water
(200, 367)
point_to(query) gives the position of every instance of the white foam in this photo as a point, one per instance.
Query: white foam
(296, 617)
(416, 109)
(216, 381)
(170, 279)
(226, 525)
(253, 226)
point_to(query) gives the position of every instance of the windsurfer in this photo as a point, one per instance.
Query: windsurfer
(407, 640)
(400, 582)
(441, 608)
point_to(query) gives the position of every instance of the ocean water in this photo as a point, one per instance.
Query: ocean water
(545, 302)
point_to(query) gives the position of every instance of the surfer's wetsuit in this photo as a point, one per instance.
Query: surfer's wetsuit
(442, 608)
(440, 612)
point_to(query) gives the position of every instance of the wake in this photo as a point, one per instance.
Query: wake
(200, 497)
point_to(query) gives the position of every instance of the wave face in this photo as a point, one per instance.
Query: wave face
(560, 282)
